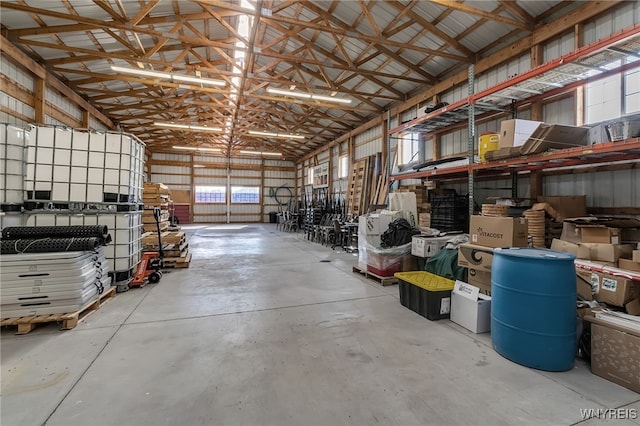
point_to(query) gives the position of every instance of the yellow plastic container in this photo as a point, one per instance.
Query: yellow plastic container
(489, 141)
(426, 280)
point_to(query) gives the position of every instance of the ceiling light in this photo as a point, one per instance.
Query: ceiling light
(195, 148)
(275, 135)
(289, 93)
(168, 75)
(261, 153)
(308, 96)
(188, 127)
(198, 166)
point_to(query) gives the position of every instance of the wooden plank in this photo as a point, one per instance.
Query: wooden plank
(69, 320)
(385, 281)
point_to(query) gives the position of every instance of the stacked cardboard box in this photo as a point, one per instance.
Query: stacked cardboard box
(485, 234)
(422, 201)
(610, 279)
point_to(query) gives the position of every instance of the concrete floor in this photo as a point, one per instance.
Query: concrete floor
(259, 331)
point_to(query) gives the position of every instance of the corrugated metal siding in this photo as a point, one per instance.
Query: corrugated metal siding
(369, 142)
(616, 20)
(13, 104)
(502, 72)
(560, 112)
(170, 157)
(559, 46)
(17, 74)
(603, 189)
(155, 168)
(209, 181)
(170, 179)
(63, 103)
(454, 143)
(96, 124)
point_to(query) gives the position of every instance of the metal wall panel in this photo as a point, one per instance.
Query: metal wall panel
(170, 179)
(200, 208)
(170, 157)
(17, 74)
(96, 124)
(619, 18)
(500, 73)
(13, 104)
(603, 189)
(157, 168)
(63, 103)
(560, 112)
(210, 181)
(206, 159)
(559, 46)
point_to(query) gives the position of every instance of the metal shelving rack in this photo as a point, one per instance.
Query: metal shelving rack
(553, 78)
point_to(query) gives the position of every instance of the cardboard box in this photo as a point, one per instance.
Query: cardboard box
(571, 233)
(635, 256)
(629, 265)
(470, 309)
(633, 307)
(498, 231)
(616, 291)
(377, 223)
(583, 289)
(604, 252)
(600, 234)
(553, 136)
(565, 246)
(614, 353)
(567, 206)
(423, 246)
(514, 133)
(480, 279)
(475, 257)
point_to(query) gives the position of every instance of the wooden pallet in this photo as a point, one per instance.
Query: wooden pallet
(148, 227)
(68, 320)
(177, 262)
(356, 187)
(382, 280)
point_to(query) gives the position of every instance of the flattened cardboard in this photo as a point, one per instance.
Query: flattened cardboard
(604, 252)
(554, 136)
(567, 206)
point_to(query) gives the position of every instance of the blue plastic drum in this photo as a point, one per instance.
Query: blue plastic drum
(533, 307)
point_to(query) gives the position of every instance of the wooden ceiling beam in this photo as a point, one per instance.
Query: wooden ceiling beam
(518, 11)
(144, 11)
(104, 5)
(424, 23)
(478, 12)
(113, 24)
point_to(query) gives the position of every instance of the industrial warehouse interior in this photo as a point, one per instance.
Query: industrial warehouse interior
(274, 212)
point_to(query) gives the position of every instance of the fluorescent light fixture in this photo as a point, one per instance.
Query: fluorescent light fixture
(198, 166)
(275, 135)
(261, 153)
(308, 96)
(195, 148)
(188, 127)
(169, 76)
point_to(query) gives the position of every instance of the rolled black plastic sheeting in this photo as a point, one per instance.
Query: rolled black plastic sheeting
(101, 232)
(48, 245)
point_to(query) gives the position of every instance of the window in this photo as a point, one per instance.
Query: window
(211, 194)
(613, 96)
(343, 167)
(409, 147)
(245, 194)
(310, 176)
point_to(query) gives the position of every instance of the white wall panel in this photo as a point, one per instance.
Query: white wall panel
(170, 157)
(158, 168)
(205, 159)
(170, 179)
(560, 112)
(13, 104)
(63, 103)
(210, 181)
(203, 208)
(454, 143)
(96, 124)
(239, 209)
(616, 20)
(603, 189)
(501, 73)
(17, 74)
(559, 46)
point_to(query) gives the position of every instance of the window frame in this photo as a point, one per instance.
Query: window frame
(417, 155)
(224, 191)
(343, 169)
(258, 195)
